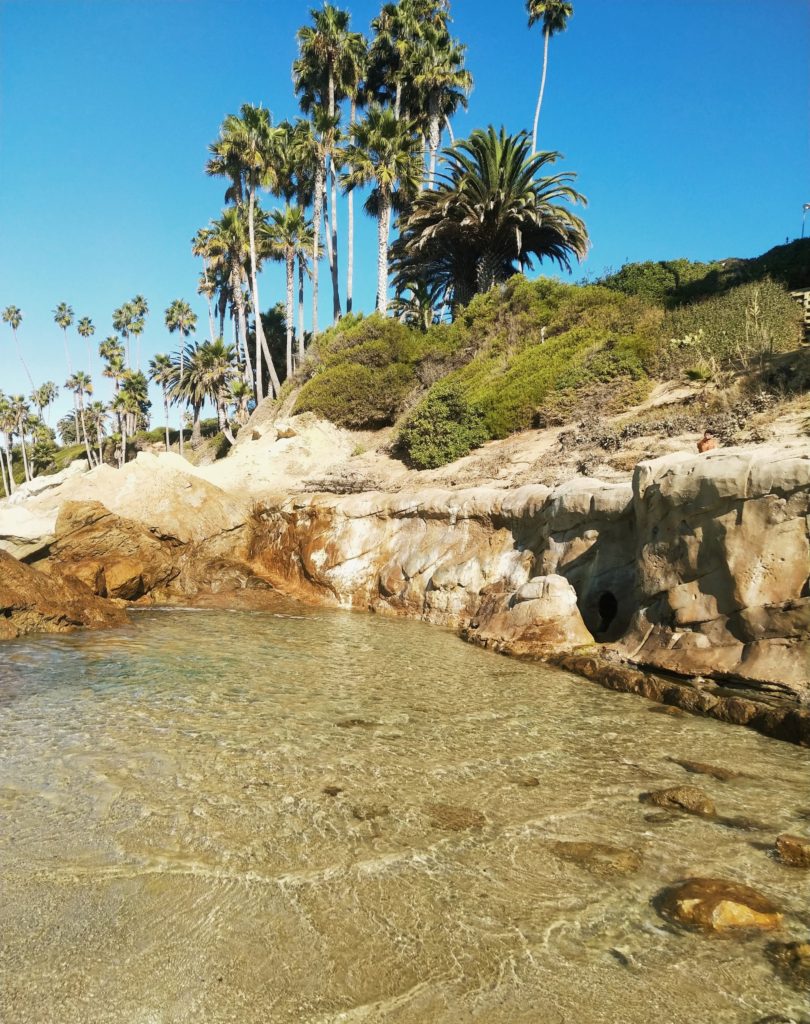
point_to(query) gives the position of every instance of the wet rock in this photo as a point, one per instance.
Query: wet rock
(453, 818)
(744, 823)
(659, 817)
(33, 602)
(699, 768)
(682, 798)
(793, 850)
(667, 709)
(792, 961)
(599, 858)
(718, 906)
(356, 723)
(525, 781)
(332, 790)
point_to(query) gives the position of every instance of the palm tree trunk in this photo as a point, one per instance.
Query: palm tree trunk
(76, 419)
(398, 100)
(546, 37)
(166, 416)
(196, 431)
(123, 440)
(257, 316)
(300, 308)
(90, 461)
(3, 472)
(19, 353)
(337, 310)
(275, 383)
(317, 208)
(6, 444)
(290, 308)
(450, 131)
(223, 305)
(180, 391)
(67, 353)
(382, 253)
(434, 140)
(100, 442)
(350, 200)
(26, 470)
(238, 300)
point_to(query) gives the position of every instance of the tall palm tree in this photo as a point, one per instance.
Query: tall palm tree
(240, 396)
(131, 405)
(353, 66)
(323, 49)
(288, 236)
(161, 370)
(180, 317)
(12, 315)
(491, 213)
(87, 330)
(554, 15)
(309, 153)
(122, 320)
(140, 311)
(7, 424)
(384, 153)
(44, 396)
(250, 142)
(444, 83)
(63, 317)
(20, 415)
(81, 384)
(97, 416)
(208, 284)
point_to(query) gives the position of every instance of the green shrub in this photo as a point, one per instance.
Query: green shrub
(737, 330)
(442, 428)
(356, 396)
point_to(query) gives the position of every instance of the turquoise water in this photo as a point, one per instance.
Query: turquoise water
(316, 816)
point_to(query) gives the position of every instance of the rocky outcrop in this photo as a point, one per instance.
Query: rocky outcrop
(32, 602)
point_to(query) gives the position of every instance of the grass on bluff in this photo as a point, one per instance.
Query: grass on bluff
(534, 353)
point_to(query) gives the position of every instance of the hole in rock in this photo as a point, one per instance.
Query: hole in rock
(608, 607)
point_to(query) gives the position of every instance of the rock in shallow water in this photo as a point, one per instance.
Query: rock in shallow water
(793, 850)
(599, 858)
(700, 768)
(717, 906)
(682, 798)
(792, 961)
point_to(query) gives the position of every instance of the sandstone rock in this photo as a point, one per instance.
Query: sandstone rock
(792, 961)
(793, 850)
(718, 906)
(540, 615)
(599, 858)
(700, 768)
(32, 602)
(682, 798)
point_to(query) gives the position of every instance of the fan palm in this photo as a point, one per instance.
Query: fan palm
(20, 413)
(44, 396)
(87, 330)
(63, 317)
(491, 213)
(7, 423)
(12, 315)
(289, 235)
(122, 320)
(97, 416)
(180, 317)
(384, 153)
(161, 370)
(81, 384)
(554, 15)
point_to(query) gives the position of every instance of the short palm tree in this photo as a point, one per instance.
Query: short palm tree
(554, 15)
(63, 317)
(288, 236)
(491, 214)
(180, 317)
(384, 153)
(81, 384)
(44, 396)
(12, 316)
(161, 371)
(20, 413)
(97, 418)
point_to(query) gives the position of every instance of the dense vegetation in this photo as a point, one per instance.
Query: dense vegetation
(533, 353)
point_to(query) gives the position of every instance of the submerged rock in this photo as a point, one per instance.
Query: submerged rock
(699, 768)
(682, 798)
(793, 850)
(792, 961)
(718, 906)
(452, 818)
(599, 858)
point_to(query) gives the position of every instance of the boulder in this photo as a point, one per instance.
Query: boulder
(682, 798)
(718, 906)
(32, 602)
(539, 616)
(25, 533)
(793, 850)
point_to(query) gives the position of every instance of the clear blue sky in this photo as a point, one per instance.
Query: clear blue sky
(686, 120)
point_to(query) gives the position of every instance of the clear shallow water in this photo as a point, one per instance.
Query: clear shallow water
(174, 848)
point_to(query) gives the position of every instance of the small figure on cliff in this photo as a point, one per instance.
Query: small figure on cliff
(707, 442)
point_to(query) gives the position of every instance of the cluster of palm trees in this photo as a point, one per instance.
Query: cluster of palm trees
(373, 113)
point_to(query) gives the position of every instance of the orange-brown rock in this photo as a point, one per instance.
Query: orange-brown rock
(718, 906)
(682, 798)
(793, 850)
(33, 602)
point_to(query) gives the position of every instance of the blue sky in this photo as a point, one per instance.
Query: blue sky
(686, 121)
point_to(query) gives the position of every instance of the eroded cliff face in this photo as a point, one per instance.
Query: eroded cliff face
(700, 567)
